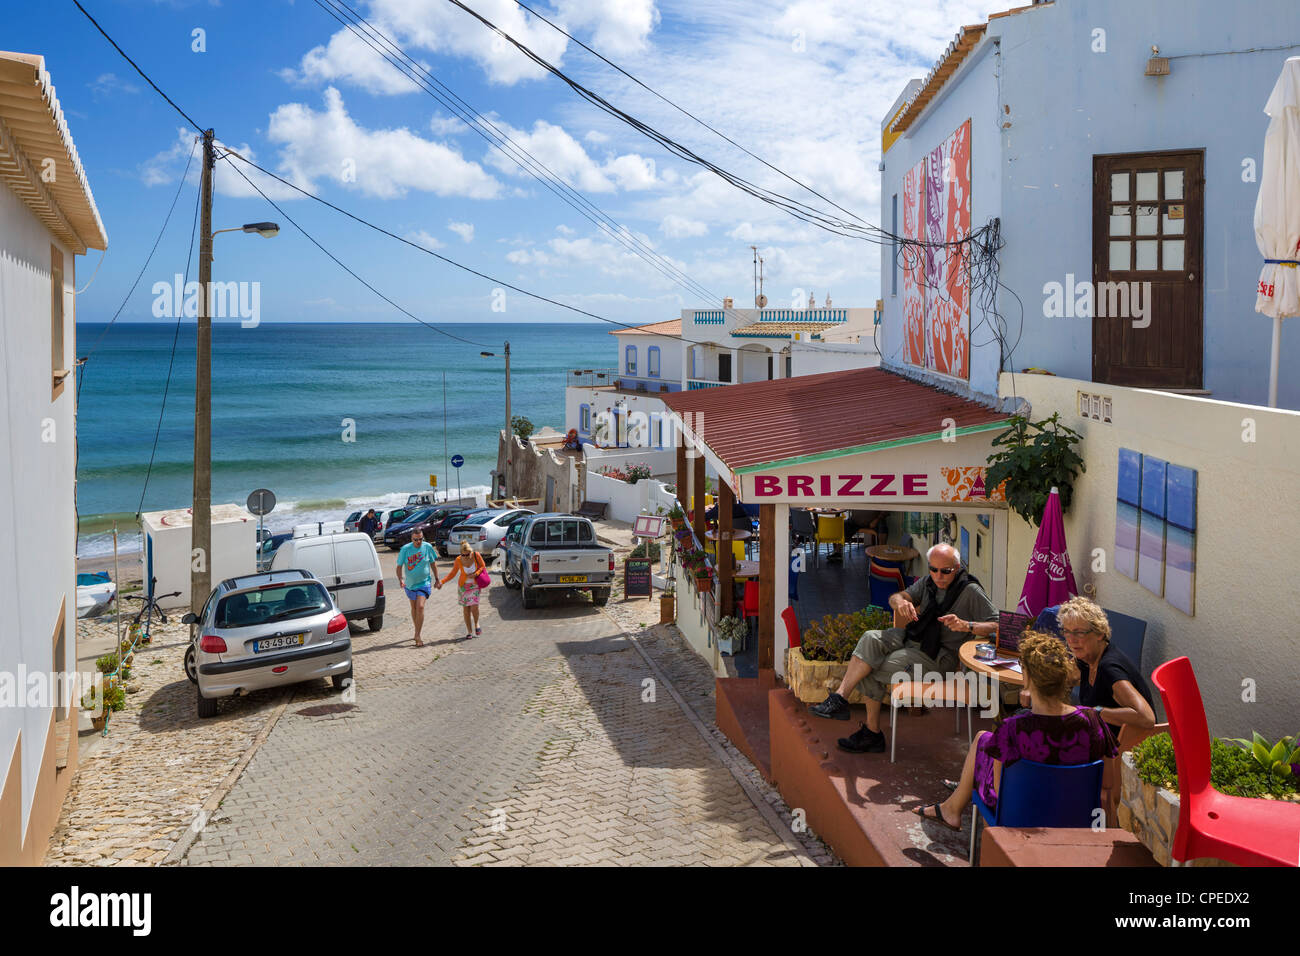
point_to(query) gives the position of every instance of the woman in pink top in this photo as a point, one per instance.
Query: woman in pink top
(469, 565)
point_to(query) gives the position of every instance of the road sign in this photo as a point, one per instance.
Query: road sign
(457, 460)
(261, 502)
(433, 481)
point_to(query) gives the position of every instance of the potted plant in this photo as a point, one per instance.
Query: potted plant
(1035, 458)
(107, 663)
(93, 703)
(668, 603)
(522, 427)
(697, 563)
(676, 517)
(731, 635)
(816, 668)
(1149, 801)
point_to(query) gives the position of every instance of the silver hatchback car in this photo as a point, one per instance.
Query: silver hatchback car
(266, 630)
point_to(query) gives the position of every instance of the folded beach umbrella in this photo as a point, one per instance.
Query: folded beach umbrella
(1277, 211)
(1050, 579)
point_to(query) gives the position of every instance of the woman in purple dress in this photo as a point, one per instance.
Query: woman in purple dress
(1051, 731)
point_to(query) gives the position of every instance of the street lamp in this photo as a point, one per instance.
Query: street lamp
(509, 432)
(264, 229)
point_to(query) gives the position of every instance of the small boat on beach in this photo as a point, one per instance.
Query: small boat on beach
(95, 591)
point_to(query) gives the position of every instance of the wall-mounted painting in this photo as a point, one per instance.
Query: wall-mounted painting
(1155, 527)
(1128, 509)
(1180, 538)
(1151, 532)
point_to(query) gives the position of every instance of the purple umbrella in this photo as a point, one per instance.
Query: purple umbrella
(1050, 579)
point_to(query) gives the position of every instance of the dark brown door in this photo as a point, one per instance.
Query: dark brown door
(1147, 228)
(724, 368)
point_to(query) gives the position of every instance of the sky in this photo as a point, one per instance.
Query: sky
(801, 84)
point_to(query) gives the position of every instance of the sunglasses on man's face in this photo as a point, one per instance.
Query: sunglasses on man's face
(934, 570)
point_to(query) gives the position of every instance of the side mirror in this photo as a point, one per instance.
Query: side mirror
(190, 618)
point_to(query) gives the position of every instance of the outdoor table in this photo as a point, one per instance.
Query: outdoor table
(1003, 674)
(746, 569)
(737, 535)
(892, 552)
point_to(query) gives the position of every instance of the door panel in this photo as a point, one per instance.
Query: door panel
(1148, 227)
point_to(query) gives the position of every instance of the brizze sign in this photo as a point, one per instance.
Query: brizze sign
(891, 485)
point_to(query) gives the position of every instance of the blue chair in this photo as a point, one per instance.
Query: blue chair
(794, 582)
(1129, 634)
(1034, 794)
(884, 583)
(1046, 621)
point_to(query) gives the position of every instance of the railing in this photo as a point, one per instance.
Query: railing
(694, 384)
(590, 377)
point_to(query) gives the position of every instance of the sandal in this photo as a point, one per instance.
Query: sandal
(478, 632)
(951, 784)
(937, 816)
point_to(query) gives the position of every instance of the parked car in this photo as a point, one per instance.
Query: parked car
(485, 530)
(423, 519)
(397, 516)
(423, 499)
(442, 531)
(266, 630)
(267, 545)
(353, 520)
(556, 552)
(349, 566)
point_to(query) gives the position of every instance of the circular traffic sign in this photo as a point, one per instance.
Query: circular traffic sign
(457, 460)
(261, 502)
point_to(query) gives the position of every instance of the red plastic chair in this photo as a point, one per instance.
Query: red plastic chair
(791, 627)
(749, 603)
(1241, 830)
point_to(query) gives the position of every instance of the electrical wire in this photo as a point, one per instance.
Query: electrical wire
(171, 362)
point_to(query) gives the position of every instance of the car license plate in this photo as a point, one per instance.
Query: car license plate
(573, 579)
(278, 643)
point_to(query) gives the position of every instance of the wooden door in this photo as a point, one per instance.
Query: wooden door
(1148, 228)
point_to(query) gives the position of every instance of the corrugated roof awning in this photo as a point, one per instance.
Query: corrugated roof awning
(783, 330)
(816, 417)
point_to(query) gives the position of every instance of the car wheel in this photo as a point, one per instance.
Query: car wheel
(600, 597)
(191, 667)
(207, 707)
(375, 623)
(339, 680)
(508, 579)
(527, 595)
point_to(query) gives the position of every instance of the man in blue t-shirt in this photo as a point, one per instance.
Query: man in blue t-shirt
(414, 574)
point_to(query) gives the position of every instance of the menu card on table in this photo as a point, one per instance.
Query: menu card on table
(1010, 626)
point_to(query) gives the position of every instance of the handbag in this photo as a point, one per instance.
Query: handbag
(482, 579)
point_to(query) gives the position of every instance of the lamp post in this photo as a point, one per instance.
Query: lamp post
(509, 432)
(201, 510)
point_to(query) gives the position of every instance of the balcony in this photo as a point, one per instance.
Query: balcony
(695, 384)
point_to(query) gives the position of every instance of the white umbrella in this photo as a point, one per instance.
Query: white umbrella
(1277, 211)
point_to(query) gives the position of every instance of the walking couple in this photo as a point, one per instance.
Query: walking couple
(416, 573)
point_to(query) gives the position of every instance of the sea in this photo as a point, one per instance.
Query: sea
(331, 417)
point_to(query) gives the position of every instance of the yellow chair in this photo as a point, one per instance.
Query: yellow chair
(830, 530)
(738, 549)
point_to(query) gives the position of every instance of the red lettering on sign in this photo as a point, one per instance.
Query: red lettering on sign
(882, 482)
(914, 484)
(826, 486)
(850, 482)
(800, 485)
(766, 485)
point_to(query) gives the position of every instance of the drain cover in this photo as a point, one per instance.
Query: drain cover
(322, 710)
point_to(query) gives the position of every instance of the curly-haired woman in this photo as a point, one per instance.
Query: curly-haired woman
(1052, 731)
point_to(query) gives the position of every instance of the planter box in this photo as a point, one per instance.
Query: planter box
(667, 609)
(1150, 813)
(812, 681)
(728, 646)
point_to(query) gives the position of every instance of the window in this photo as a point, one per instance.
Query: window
(58, 371)
(652, 361)
(584, 419)
(630, 361)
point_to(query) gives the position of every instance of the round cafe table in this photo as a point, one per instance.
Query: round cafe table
(746, 569)
(1003, 674)
(892, 552)
(737, 535)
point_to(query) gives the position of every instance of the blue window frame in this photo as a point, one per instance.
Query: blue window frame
(584, 419)
(630, 360)
(652, 362)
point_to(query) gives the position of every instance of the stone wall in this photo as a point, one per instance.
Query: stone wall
(530, 466)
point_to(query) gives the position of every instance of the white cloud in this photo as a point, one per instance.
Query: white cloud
(463, 229)
(597, 137)
(347, 58)
(167, 166)
(423, 238)
(447, 126)
(679, 227)
(563, 230)
(563, 155)
(107, 84)
(383, 163)
(617, 29)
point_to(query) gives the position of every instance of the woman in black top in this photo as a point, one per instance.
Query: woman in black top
(1109, 682)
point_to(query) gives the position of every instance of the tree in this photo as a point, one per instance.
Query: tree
(522, 426)
(1036, 457)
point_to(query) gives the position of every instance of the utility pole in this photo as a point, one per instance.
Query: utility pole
(510, 434)
(201, 514)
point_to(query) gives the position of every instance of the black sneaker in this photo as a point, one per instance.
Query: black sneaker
(863, 741)
(834, 706)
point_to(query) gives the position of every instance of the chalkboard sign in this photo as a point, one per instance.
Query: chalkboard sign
(636, 577)
(1010, 626)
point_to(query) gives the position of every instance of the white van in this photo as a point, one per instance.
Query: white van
(348, 566)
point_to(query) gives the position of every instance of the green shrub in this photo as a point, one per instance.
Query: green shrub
(1233, 771)
(833, 637)
(106, 664)
(640, 550)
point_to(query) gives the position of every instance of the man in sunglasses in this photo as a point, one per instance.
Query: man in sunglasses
(938, 611)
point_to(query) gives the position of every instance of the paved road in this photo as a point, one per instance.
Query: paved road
(531, 744)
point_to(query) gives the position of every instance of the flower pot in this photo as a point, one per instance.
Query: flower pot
(703, 584)
(728, 646)
(667, 608)
(1150, 813)
(812, 681)
(99, 722)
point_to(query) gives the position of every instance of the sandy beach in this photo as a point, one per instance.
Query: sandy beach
(130, 569)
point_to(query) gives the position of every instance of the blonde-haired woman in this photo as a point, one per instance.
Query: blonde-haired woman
(469, 564)
(1109, 682)
(1052, 731)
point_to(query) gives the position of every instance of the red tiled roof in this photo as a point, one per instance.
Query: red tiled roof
(671, 327)
(823, 416)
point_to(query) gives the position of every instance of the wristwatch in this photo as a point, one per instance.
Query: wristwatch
(1097, 708)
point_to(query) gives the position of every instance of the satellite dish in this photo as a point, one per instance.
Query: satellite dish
(762, 302)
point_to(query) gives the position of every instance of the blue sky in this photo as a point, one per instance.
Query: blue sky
(802, 84)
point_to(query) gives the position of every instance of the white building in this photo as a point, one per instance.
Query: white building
(47, 216)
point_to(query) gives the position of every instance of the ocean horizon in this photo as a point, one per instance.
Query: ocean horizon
(330, 416)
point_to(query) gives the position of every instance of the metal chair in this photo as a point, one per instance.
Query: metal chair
(802, 528)
(1033, 794)
(1244, 830)
(908, 693)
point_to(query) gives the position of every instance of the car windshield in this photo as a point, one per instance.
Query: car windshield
(354, 516)
(420, 515)
(276, 602)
